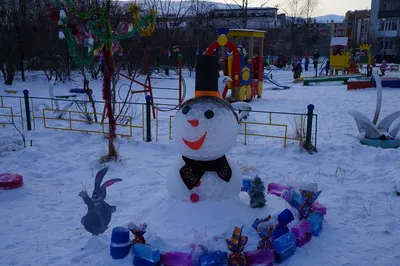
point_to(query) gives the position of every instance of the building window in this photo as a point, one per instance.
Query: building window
(388, 25)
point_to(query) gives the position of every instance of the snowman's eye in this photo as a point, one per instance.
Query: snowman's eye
(209, 114)
(185, 110)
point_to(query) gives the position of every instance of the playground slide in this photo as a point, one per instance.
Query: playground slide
(275, 83)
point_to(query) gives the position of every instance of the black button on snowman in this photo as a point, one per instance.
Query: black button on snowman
(204, 130)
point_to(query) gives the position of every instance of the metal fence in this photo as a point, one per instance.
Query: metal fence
(79, 115)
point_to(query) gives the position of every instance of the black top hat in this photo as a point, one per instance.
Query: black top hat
(207, 73)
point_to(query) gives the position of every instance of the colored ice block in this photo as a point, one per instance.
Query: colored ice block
(318, 207)
(303, 240)
(146, 252)
(285, 217)
(315, 220)
(284, 242)
(279, 230)
(216, 258)
(276, 189)
(176, 259)
(120, 244)
(140, 261)
(302, 230)
(264, 257)
(279, 257)
(246, 184)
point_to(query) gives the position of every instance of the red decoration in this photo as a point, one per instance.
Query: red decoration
(10, 181)
(198, 184)
(54, 15)
(194, 197)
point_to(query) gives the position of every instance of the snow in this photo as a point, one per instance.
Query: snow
(40, 222)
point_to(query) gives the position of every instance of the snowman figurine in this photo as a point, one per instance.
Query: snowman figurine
(204, 130)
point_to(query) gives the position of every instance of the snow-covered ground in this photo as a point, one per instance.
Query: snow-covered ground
(40, 222)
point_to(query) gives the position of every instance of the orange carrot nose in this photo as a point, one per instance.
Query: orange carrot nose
(194, 122)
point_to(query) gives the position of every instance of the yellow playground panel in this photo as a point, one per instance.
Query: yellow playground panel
(339, 57)
(365, 54)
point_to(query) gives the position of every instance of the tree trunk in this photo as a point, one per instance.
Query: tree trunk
(107, 97)
(21, 61)
(9, 74)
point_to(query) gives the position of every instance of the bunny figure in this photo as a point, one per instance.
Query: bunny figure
(99, 212)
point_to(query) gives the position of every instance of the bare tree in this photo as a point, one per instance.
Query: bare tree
(298, 22)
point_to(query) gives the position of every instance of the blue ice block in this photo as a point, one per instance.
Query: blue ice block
(284, 242)
(285, 217)
(216, 258)
(279, 230)
(146, 252)
(246, 184)
(120, 244)
(139, 261)
(315, 220)
(279, 257)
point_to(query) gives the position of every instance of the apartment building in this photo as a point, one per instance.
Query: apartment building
(385, 28)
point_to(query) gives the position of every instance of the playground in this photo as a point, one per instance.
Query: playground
(191, 156)
(58, 163)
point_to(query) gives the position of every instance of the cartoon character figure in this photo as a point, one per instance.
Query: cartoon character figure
(99, 212)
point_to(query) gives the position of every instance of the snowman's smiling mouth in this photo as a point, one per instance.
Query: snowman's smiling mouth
(195, 145)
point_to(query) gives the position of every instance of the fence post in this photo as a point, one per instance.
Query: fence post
(148, 118)
(27, 110)
(307, 145)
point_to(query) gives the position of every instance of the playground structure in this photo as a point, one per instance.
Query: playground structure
(268, 77)
(365, 83)
(245, 70)
(365, 57)
(378, 134)
(148, 87)
(342, 60)
(339, 57)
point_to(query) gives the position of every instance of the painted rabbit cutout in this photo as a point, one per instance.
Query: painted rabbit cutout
(99, 212)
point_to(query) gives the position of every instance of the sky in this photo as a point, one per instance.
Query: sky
(325, 7)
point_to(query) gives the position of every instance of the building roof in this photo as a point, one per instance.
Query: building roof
(246, 33)
(339, 41)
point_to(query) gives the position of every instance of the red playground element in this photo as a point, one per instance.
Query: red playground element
(10, 181)
(356, 84)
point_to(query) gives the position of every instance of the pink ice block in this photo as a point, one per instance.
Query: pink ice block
(318, 207)
(260, 257)
(276, 189)
(302, 230)
(304, 240)
(176, 258)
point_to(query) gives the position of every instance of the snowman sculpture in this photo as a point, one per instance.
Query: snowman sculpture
(204, 130)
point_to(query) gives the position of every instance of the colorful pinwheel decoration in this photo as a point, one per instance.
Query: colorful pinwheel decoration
(264, 228)
(301, 200)
(236, 245)
(138, 231)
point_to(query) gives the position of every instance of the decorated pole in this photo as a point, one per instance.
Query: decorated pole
(102, 41)
(310, 114)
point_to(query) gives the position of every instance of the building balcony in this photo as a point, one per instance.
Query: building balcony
(389, 14)
(388, 51)
(388, 34)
